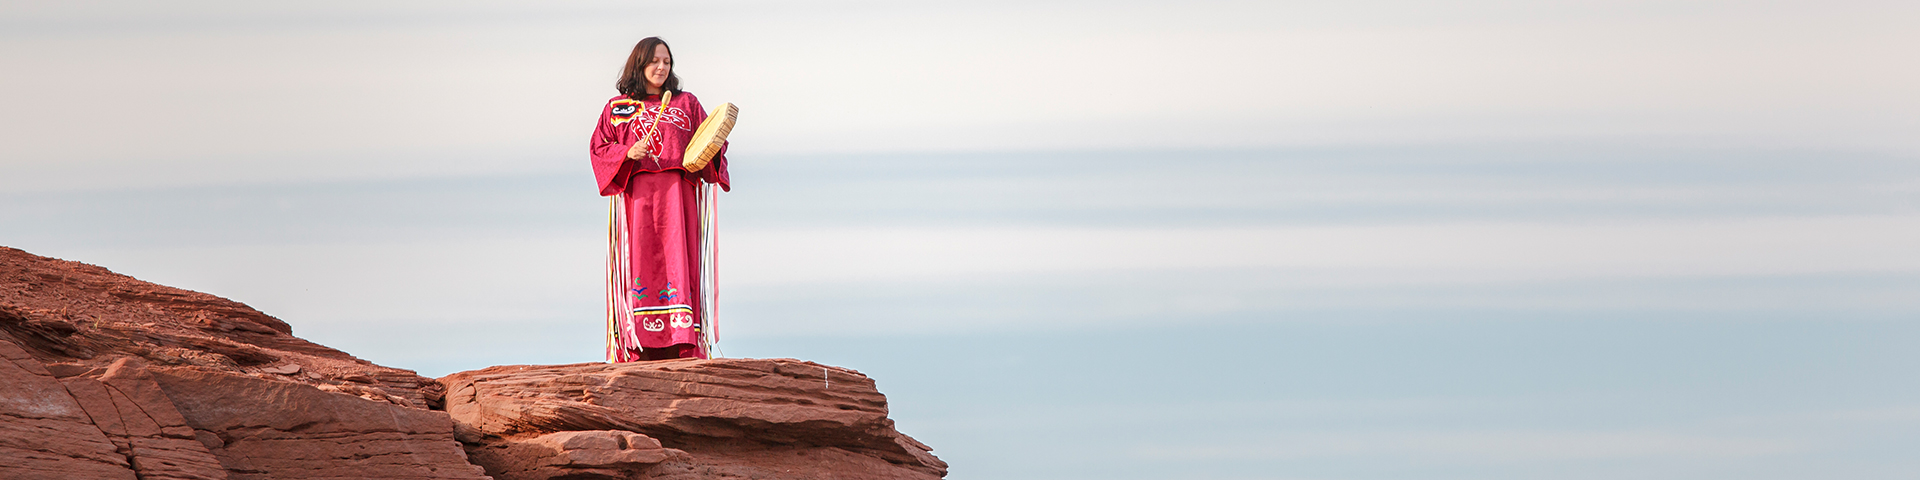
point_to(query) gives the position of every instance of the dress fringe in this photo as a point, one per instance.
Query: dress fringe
(709, 271)
(619, 280)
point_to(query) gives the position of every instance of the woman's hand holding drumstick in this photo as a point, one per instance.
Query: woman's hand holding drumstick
(639, 150)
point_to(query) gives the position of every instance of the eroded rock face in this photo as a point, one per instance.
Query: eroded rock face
(745, 418)
(106, 377)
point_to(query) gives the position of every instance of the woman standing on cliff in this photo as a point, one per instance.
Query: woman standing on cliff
(660, 228)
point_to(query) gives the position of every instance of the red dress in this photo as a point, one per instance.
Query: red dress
(659, 297)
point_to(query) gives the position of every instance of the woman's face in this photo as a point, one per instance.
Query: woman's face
(658, 68)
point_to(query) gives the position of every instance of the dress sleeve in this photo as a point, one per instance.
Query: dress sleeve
(610, 164)
(716, 171)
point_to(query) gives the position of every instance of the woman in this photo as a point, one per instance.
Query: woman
(657, 305)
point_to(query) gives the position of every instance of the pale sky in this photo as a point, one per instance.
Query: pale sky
(1274, 240)
(187, 93)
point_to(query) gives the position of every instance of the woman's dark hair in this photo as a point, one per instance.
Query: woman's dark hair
(633, 79)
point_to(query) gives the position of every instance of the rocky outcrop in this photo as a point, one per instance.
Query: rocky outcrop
(742, 418)
(109, 377)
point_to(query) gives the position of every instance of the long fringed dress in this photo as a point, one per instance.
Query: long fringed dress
(661, 251)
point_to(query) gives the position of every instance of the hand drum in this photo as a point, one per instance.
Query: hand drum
(711, 135)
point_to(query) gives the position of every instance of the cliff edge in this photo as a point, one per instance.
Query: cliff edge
(113, 378)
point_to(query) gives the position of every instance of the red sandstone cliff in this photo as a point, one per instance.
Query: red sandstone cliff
(108, 377)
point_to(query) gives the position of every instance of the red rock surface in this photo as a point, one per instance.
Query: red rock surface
(270, 428)
(109, 377)
(141, 421)
(44, 434)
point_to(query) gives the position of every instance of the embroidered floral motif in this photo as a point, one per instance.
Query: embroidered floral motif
(653, 325)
